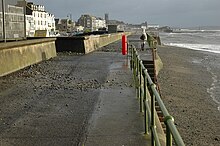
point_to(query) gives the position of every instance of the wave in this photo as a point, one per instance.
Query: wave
(194, 31)
(199, 47)
(214, 87)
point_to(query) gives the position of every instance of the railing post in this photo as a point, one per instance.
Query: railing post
(168, 132)
(131, 62)
(132, 54)
(146, 122)
(137, 79)
(128, 51)
(134, 67)
(168, 136)
(140, 85)
(152, 116)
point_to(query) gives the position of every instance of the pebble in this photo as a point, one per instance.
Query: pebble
(216, 139)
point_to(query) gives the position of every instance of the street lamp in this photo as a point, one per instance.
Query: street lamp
(3, 21)
(25, 35)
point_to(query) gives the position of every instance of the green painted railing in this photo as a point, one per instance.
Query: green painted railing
(148, 94)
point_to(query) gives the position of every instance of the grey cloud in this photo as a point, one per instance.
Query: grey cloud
(170, 12)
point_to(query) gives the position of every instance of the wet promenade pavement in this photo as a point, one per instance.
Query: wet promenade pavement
(71, 100)
(116, 120)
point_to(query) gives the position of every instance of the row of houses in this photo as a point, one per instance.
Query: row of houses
(24, 19)
(85, 23)
(39, 19)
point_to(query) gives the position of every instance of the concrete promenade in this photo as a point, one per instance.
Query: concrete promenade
(116, 120)
(72, 100)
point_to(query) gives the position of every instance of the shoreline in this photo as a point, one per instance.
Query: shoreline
(202, 50)
(214, 76)
(185, 79)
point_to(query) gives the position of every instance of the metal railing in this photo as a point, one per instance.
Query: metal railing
(148, 95)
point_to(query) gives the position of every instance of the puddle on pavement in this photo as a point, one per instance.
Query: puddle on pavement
(120, 65)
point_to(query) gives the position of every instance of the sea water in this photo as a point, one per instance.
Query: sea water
(207, 41)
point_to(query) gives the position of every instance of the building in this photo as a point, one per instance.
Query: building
(42, 19)
(64, 25)
(30, 27)
(120, 24)
(91, 23)
(51, 24)
(14, 22)
(99, 23)
(106, 18)
(78, 28)
(87, 22)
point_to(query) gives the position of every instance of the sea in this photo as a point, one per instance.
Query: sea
(206, 40)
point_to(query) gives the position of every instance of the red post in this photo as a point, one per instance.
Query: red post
(124, 44)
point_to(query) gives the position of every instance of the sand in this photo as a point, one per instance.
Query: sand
(185, 83)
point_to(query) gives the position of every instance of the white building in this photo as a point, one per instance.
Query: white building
(99, 23)
(42, 20)
(51, 24)
(30, 27)
(79, 28)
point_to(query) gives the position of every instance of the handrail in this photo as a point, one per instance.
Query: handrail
(145, 86)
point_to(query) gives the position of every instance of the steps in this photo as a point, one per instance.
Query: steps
(149, 65)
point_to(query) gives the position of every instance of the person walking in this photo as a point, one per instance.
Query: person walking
(143, 38)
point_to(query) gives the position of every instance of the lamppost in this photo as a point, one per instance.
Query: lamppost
(24, 5)
(3, 21)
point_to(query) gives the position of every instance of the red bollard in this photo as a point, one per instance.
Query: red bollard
(124, 44)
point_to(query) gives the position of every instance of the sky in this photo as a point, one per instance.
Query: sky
(174, 13)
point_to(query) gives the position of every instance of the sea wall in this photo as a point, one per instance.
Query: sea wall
(17, 55)
(86, 44)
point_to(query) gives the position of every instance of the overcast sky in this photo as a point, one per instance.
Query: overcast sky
(178, 13)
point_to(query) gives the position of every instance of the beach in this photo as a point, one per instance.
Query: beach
(188, 83)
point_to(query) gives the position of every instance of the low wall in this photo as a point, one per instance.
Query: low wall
(86, 44)
(73, 44)
(17, 55)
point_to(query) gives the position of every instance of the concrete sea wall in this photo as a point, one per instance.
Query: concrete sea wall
(86, 44)
(17, 55)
